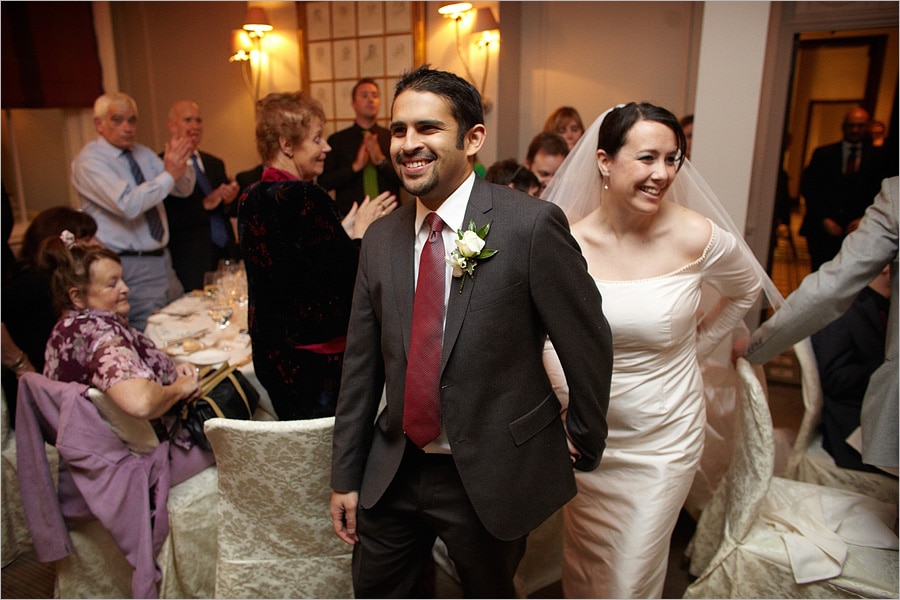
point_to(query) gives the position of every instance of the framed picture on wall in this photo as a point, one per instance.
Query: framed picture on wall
(318, 21)
(370, 17)
(371, 57)
(343, 22)
(344, 41)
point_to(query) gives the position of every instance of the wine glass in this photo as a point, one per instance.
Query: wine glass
(221, 315)
(211, 284)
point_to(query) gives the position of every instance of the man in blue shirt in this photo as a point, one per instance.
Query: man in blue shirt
(122, 184)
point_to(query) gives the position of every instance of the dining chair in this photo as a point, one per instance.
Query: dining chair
(275, 534)
(809, 461)
(100, 511)
(762, 536)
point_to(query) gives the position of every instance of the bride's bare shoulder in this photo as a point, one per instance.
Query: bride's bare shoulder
(692, 230)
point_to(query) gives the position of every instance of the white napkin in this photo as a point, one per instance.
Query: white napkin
(817, 527)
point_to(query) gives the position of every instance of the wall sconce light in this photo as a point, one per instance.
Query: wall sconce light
(246, 45)
(487, 26)
(488, 29)
(484, 24)
(454, 10)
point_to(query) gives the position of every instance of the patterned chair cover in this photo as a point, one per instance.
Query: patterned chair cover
(765, 537)
(274, 531)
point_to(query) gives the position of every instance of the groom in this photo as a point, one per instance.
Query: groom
(488, 460)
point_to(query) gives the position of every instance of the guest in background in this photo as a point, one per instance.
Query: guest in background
(848, 350)
(200, 231)
(651, 257)
(357, 166)
(566, 122)
(300, 259)
(122, 184)
(92, 343)
(28, 313)
(247, 178)
(826, 294)
(877, 132)
(687, 125)
(545, 153)
(512, 174)
(838, 185)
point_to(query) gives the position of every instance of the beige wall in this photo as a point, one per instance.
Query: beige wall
(594, 55)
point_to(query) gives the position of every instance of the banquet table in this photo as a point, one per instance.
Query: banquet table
(187, 319)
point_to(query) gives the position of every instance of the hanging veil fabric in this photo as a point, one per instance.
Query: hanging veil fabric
(577, 189)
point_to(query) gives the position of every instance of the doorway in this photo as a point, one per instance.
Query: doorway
(832, 72)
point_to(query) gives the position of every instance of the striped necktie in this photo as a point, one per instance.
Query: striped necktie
(154, 221)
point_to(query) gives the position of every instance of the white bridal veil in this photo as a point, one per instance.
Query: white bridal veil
(576, 188)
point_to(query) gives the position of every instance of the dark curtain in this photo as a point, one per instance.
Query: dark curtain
(49, 55)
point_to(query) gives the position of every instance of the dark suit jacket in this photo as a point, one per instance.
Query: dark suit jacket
(338, 174)
(848, 350)
(190, 242)
(831, 194)
(498, 407)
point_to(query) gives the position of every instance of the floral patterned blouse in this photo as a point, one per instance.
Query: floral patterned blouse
(100, 349)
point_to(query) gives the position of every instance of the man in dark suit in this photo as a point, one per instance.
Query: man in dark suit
(497, 460)
(200, 225)
(838, 185)
(358, 163)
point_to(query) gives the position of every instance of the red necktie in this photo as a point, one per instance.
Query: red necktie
(422, 402)
(852, 164)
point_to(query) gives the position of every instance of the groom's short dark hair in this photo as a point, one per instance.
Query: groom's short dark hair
(464, 99)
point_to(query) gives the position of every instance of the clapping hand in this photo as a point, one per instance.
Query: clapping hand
(361, 216)
(224, 194)
(178, 149)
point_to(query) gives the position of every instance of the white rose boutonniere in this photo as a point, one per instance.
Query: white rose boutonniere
(469, 250)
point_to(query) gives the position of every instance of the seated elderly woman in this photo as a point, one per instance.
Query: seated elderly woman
(92, 343)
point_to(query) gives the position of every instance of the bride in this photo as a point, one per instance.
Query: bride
(655, 240)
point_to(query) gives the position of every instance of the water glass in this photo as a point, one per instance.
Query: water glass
(221, 315)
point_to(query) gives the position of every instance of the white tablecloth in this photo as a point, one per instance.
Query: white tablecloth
(189, 314)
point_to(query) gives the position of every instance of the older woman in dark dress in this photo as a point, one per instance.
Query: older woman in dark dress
(300, 259)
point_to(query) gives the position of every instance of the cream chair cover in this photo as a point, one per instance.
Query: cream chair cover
(98, 569)
(275, 534)
(16, 539)
(808, 460)
(759, 536)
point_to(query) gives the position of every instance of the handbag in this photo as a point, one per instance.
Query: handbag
(224, 393)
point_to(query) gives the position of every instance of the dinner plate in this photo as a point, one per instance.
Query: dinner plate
(210, 356)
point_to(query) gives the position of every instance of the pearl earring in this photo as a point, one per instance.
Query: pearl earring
(605, 187)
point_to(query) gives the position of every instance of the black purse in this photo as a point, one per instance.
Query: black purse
(224, 393)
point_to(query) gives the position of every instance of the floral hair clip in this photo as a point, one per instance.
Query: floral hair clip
(68, 238)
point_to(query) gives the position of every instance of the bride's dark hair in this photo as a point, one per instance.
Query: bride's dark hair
(621, 119)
